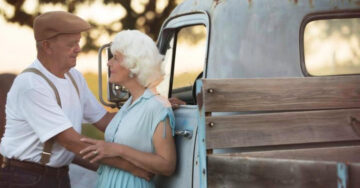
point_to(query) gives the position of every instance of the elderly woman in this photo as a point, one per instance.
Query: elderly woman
(142, 131)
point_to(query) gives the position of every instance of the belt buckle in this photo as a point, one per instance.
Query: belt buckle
(46, 153)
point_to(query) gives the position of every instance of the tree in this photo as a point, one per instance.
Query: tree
(149, 19)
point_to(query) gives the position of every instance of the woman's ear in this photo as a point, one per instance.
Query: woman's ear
(131, 75)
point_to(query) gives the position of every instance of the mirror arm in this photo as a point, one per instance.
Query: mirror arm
(100, 77)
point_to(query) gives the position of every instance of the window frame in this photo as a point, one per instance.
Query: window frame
(321, 16)
(172, 26)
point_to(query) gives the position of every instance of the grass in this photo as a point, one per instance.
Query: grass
(92, 132)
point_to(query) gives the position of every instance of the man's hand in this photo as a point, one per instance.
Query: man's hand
(175, 102)
(84, 163)
(99, 150)
(71, 140)
(143, 174)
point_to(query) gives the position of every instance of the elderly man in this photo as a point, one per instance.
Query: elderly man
(45, 107)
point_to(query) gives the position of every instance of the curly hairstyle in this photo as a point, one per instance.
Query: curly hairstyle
(141, 56)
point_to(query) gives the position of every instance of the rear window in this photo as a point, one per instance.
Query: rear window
(332, 47)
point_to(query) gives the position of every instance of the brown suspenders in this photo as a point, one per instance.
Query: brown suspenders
(46, 153)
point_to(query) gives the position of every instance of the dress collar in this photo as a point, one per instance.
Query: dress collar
(146, 95)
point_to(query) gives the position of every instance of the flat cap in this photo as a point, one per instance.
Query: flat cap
(51, 24)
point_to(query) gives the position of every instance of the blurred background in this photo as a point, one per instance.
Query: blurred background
(17, 44)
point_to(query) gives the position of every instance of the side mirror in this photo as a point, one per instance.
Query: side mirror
(116, 94)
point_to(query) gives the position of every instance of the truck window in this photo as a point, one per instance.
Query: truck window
(163, 87)
(186, 52)
(332, 47)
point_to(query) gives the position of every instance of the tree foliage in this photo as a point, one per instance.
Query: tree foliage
(149, 19)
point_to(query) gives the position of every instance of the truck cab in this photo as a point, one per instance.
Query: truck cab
(272, 92)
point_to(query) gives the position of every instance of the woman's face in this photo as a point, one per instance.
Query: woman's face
(118, 73)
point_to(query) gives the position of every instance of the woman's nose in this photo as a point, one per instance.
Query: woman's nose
(109, 62)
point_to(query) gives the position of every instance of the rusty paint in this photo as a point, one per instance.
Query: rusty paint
(199, 94)
(355, 125)
(250, 3)
(199, 100)
(216, 2)
(311, 4)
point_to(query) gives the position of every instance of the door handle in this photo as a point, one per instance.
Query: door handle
(185, 133)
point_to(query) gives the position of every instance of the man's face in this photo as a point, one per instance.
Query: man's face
(64, 49)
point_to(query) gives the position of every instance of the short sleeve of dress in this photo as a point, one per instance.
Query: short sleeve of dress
(161, 113)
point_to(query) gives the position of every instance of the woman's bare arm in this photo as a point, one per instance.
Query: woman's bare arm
(163, 161)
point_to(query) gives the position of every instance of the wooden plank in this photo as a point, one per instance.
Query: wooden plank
(282, 128)
(278, 94)
(270, 173)
(354, 171)
(346, 154)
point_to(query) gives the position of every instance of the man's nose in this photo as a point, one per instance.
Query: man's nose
(77, 48)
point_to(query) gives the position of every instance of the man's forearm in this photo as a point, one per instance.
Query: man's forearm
(123, 164)
(104, 121)
(84, 163)
(116, 162)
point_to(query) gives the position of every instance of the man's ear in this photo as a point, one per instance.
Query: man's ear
(46, 46)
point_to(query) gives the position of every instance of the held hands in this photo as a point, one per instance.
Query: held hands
(98, 150)
(175, 102)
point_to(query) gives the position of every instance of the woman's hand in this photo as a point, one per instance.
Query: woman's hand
(175, 102)
(98, 150)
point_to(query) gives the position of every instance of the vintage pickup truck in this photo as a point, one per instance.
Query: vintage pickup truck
(273, 92)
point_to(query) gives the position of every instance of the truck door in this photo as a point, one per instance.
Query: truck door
(184, 41)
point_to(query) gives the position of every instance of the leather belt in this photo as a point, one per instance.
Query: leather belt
(35, 167)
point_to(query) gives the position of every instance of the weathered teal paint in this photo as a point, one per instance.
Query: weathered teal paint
(186, 118)
(201, 139)
(343, 176)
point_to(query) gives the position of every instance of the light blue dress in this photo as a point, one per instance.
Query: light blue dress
(134, 126)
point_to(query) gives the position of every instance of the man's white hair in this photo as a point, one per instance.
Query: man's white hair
(141, 56)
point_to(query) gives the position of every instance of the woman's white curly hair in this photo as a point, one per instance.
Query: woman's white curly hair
(141, 56)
